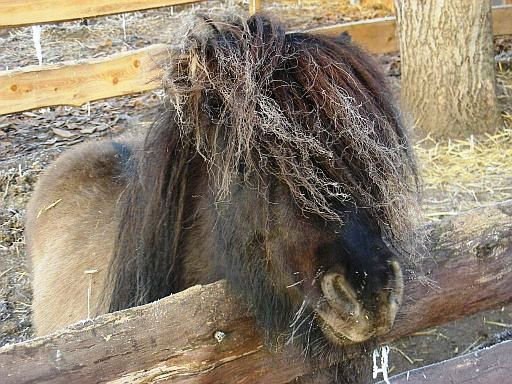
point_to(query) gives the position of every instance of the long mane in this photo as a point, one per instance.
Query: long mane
(311, 112)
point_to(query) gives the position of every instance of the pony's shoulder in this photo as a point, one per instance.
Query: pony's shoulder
(85, 171)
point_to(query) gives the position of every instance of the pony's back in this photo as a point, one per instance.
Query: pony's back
(71, 228)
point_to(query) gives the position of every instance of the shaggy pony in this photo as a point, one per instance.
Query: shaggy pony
(281, 164)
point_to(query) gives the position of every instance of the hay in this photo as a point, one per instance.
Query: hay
(459, 175)
(464, 174)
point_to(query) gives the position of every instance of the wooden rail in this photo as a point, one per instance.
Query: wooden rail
(126, 73)
(386, 3)
(25, 12)
(205, 335)
(380, 36)
(502, 20)
(77, 83)
(376, 35)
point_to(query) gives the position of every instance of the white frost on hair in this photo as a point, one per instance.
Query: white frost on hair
(339, 148)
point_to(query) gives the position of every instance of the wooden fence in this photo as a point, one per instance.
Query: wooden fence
(26, 12)
(485, 366)
(136, 71)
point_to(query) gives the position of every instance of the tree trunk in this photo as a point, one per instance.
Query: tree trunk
(448, 78)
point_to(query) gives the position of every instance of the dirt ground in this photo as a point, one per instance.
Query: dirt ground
(30, 140)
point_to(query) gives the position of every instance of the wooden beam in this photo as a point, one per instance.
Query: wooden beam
(25, 12)
(469, 263)
(386, 3)
(375, 35)
(205, 335)
(488, 366)
(77, 83)
(379, 35)
(254, 6)
(502, 20)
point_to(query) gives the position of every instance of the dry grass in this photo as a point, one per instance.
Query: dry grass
(322, 12)
(464, 174)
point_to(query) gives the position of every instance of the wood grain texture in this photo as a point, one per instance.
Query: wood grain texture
(448, 80)
(488, 366)
(502, 19)
(469, 265)
(173, 340)
(380, 35)
(376, 35)
(25, 12)
(254, 6)
(386, 3)
(77, 83)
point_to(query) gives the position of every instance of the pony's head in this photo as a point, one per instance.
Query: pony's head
(282, 165)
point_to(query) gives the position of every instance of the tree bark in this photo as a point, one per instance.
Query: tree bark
(448, 75)
(204, 335)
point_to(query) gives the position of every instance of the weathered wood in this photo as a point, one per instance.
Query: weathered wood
(376, 35)
(380, 36)
(469, 268)
(254, 6)
(448, 79)
(386, 3)
(488, 366)
(502, 20)
(78, 83)
(25, 12)
(174, 339)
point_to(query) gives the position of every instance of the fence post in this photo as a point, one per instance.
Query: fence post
(254, 6)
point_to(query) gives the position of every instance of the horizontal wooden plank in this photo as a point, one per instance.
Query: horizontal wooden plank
(487, 366)
(386, 3)
(379, 35)
(77, 83)
(205, 335)
(376, 35)
(26, 12)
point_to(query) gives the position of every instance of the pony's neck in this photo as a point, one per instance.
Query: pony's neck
(197, 248)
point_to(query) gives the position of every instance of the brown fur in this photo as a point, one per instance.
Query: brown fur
(74, 235)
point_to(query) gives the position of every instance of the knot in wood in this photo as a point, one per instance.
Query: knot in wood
(219, 336)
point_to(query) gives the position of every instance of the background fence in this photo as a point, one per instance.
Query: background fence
(75, 83)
